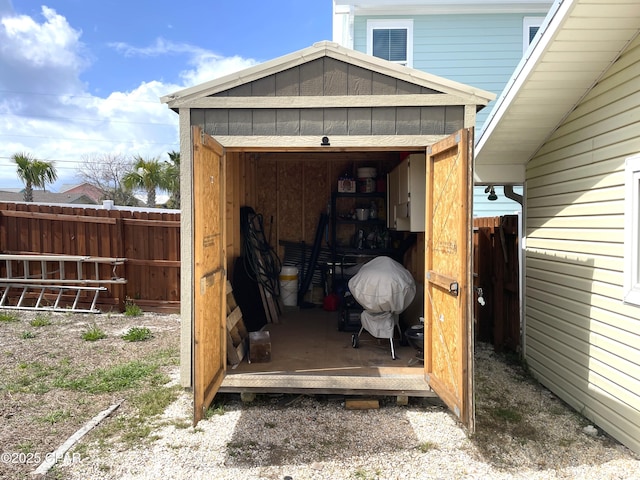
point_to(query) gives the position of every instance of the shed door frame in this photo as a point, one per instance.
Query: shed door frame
(448, 353)
(208, 347)
(210, 275)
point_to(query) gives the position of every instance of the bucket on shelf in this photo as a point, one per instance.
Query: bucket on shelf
(289, 285)
(367, 172)
(366, 179)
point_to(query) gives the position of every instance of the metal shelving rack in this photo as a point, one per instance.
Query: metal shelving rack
(336, 223)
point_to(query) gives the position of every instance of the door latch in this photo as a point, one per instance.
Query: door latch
(480, 295)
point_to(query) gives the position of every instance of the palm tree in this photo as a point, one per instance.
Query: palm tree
(172, 179)
(33, 173)
(147, 175)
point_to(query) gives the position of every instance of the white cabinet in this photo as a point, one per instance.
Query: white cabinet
(406, 194)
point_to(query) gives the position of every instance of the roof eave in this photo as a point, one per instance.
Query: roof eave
(506, 145)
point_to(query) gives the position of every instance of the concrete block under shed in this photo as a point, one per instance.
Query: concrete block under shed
(259, 347)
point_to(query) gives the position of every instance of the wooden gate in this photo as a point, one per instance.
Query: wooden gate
(209, 271)
(448, 287)
(497, 272)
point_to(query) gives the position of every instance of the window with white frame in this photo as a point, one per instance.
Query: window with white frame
(530, 26)
(391, 40)
(631, 228)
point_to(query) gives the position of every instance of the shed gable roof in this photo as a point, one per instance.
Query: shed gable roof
(260, 78)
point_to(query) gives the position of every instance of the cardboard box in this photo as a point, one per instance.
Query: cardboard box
(346, 185)
(259, 347)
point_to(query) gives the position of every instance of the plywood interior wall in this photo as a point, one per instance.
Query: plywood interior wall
(291, 190)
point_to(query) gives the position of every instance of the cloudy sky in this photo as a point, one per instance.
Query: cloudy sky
(82, 79)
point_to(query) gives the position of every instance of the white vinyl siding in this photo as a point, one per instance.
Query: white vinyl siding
(581, 339)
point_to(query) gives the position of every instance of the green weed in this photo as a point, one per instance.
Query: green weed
(27, 335)
(362, 474)
(155, 401)
(214, 409)
(131, 309)
(93, 333)
(181, 424)
(137, 334)
(34, 377)
(26, 447)
(167, 356)
(9, 317)
(114, 379)
(40, 321)
(507, 414)
(55, 416)
(425, 447)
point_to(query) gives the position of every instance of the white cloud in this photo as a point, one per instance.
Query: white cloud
(207, 66)
(49, 112)
(53, 43)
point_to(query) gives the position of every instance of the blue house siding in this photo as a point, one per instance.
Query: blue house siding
(497, 208)
(481, 50)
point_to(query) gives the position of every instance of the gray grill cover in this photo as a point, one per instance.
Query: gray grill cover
(384, 289)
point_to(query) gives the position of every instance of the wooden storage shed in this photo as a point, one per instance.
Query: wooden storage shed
(277, 137)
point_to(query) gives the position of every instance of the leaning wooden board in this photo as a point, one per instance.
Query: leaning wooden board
(237, 335)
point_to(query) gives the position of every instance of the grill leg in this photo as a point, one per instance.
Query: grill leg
(393, 352)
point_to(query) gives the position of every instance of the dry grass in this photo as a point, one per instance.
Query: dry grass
(53, 380)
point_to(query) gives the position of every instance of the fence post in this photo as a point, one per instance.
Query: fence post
(120, 289)
(498, 290)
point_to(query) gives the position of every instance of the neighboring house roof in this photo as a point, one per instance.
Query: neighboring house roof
(580, 40)
(41, 196)
(83, 188)
(189, 96)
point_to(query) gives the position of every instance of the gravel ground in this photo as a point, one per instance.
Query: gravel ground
(524, 432)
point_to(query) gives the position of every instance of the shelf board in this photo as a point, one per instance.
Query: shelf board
(373, 221)
(361, 195)
(349, 251)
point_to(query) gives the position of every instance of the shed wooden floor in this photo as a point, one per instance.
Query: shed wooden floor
(310, 355)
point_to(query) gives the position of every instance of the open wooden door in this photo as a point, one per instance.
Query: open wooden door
(448, 270)
(209, 271)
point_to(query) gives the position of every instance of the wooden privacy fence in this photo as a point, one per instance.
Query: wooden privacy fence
(496, 248)
(149, 241)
